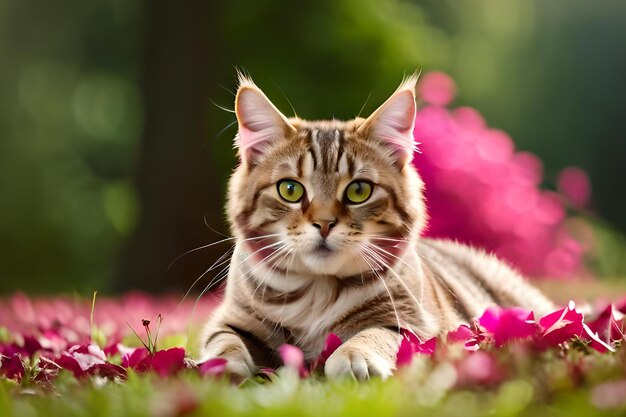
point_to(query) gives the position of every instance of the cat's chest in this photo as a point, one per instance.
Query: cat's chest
(309, 313)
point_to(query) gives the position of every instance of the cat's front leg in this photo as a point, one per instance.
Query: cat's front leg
(369, 353)
(223, 341)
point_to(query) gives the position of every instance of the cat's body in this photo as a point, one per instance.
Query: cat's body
(328, 217)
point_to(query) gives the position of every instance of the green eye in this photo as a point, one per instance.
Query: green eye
(358, 192)
(290, 190)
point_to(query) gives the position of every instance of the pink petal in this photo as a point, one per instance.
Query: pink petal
(213, 367)
(608, 326)
(134, 357)
(508, 324)
(405, 353)
(87, 361)
(410, 343)
(479, 368)
(462, 334)
(164, 362)
(428, 347)
(574, 183)
(69, 363)
(332, 343)
(293, 357)
(436, 88)
(561, 326)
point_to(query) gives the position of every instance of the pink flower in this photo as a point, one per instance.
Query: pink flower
(81, 358)
(85, 360)
(330, 346)
(163, 362)
(560, 326)
(609, 395)
(436, 88)
(463, 334)
(481, 191)
(293, 357)
(508, 324)
(608, 327)
(567, 324)
(213, 367)
(133, 357)
(479, 368)
(574, 183)
(410, 345)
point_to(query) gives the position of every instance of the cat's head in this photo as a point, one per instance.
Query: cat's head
(325, 197)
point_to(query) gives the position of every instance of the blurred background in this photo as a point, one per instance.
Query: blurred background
(115, 151)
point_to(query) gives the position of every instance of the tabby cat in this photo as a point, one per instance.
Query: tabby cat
(327, 217)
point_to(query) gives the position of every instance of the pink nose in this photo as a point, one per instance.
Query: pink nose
(324, 226)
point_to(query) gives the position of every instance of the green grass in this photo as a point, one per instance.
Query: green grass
(423, 389)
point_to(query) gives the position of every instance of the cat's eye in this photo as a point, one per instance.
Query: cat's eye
(290, 190)
(358, 192)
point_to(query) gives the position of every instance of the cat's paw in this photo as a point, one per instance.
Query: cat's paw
(239, 363)
(239, 369)
(358, 362)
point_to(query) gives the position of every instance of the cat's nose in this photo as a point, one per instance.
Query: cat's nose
(324, 226)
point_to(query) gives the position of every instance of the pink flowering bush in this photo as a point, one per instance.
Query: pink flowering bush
(480, 190)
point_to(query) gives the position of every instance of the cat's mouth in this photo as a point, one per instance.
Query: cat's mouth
(323, 249)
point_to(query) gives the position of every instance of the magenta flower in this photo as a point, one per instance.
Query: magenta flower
(508, 324)
(481, 191)
(86, 360)
(464, 334)
(215, 367)
(330, 346)
(560, 326)
(608, 328)
(574, 184)
(436, 88)
(164, 362)
(410, 345)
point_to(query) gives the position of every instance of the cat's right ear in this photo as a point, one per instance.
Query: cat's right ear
(260, 122)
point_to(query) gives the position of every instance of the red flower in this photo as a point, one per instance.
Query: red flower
(12, 367)
(87, 360)
(163, 362)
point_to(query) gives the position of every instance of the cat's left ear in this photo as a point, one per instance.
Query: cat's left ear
(260, 122)
(392, 123)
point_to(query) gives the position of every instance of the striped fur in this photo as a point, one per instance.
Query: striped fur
(372, 275)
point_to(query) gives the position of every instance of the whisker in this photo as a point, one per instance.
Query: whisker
(367, 260)
(420, 302)
(217, 243)
(212, 267)
(437, 277)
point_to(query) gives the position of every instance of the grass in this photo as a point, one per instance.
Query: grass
(144, 395)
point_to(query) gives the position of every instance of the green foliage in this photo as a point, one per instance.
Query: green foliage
(289, 396)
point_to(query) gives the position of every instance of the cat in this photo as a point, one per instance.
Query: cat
(328, 217)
